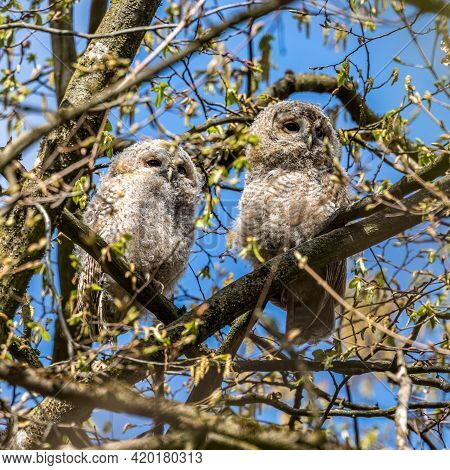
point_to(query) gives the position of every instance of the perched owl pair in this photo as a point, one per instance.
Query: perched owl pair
(151, 190)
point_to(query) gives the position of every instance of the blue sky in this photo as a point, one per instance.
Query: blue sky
(293, 51)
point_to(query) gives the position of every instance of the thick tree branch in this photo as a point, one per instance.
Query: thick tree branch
(64, 58)
(63, 49)
(440, 7)
(96, 14)
(117, 397)
(437, 382)
(117, 267)
(293, 83)
(320, 83)
(242, 295)
(403, 404)
(352, 101)
(165, 311)
(114, 396)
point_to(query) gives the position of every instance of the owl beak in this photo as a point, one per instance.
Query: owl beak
(309, 141)
(169, 174)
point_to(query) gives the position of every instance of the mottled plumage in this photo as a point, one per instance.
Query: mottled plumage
(288, 198)
(150, 192)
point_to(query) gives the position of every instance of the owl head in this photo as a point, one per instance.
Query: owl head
(293, 134)
(158, 162)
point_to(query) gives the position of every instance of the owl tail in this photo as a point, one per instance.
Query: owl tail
(310, 309)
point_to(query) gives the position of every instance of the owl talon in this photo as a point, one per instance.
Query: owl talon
(159, 286)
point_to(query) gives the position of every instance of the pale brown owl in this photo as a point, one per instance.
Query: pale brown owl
(150, 194)
(289, 196)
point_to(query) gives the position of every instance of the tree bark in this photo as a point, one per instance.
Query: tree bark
(64, 58)
(63, 48)
(440, 7)
(96, 14)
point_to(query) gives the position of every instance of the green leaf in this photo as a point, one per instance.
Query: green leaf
(191, 328)
(252, 248)
(230, 97)
(343, 72)
(120, 246)
(45, 335)
(80, 198)
(107, 143)
(160, 93)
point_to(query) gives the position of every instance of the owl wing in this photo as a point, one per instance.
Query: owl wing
(310, 309)
(89, 300)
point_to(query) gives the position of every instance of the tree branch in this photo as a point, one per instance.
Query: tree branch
(242, 295)
(352, 101)
(64, 58)
(167, 312)
(320, 83)
(255, 398)
(350, 367)
(102, 95)
(96, 14)
(63, 49)
(440, 7)
(117, 397)
(118, 268)
(293, 83)
(373, 203)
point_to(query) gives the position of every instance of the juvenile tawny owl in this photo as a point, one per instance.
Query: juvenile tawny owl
(288, 198)
(150, 193)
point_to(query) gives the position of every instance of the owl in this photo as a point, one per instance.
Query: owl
(288, 198)
(145, 205)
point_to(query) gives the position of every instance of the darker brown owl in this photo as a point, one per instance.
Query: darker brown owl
(288, 198)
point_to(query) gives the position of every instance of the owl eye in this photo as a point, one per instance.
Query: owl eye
(292, 126)
(181, 170)
(320, 133)
(153, 163)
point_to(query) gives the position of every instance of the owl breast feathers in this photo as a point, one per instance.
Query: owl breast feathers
(149, 193)
(288, 197)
